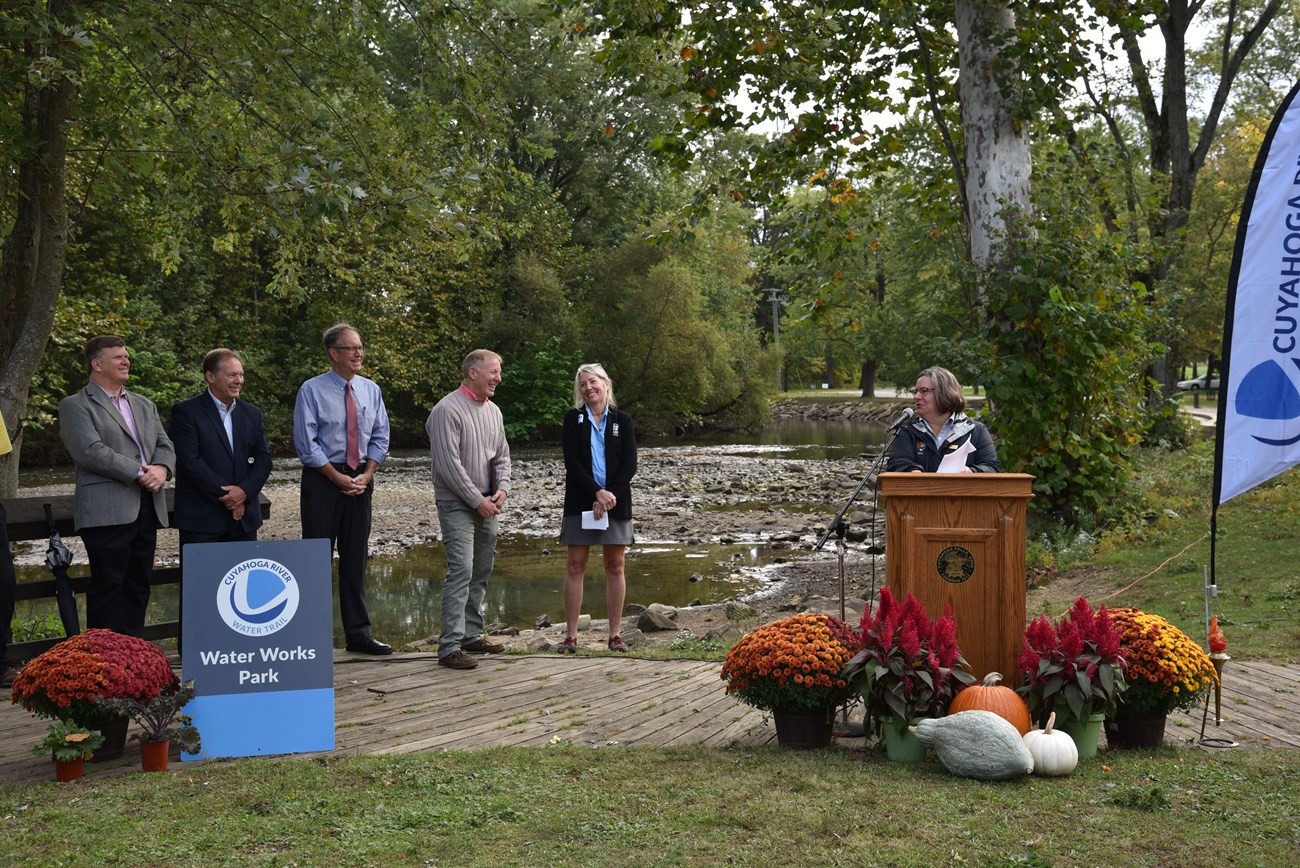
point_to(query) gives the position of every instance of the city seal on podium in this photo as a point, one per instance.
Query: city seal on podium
(955, 564)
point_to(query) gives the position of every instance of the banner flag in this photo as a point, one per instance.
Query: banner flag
(1258, 433)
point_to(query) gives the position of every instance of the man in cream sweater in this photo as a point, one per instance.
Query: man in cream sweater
(471, 477)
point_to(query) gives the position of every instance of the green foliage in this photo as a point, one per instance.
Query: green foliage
(537, 389)
(1059, 357)
(445, 179)
(68, 741)
(1150, 798)
(36, 627)
(686, 644)
(672, 323)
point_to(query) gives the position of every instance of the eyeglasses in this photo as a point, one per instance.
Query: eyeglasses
(354, 350)
(922, 391)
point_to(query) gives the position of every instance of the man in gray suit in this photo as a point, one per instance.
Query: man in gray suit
(123, 459)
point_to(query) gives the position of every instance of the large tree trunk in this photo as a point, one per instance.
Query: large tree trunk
(998, 161)
(31, 262)
(868, 378)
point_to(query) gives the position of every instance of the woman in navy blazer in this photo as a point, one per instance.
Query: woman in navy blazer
(599, 463)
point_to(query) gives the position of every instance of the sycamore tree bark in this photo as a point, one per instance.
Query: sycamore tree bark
(997, 157)
(32, 258)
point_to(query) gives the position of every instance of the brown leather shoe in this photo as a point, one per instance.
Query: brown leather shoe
(7, 676)
(458, 660)
(481, 645)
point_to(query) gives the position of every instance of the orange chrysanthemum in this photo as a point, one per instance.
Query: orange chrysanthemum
(66, 681)
(793, 663)
(1166, 669)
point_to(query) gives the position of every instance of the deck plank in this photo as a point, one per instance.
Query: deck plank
(407, 703)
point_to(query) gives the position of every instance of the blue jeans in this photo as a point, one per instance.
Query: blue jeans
(471, 542)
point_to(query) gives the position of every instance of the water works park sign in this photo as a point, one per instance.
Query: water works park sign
(256, 639)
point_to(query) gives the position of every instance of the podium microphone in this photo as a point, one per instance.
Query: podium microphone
(903, 418)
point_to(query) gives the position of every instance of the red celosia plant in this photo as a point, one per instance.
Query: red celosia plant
(1074, 667)
(909, 666)
(792, 664)
(66, 681)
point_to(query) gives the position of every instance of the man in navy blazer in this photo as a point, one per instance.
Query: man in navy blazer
(222, 460)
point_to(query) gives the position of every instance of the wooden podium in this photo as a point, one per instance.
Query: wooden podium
(960, 539)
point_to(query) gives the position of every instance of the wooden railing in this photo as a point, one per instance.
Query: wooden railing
(25, 520)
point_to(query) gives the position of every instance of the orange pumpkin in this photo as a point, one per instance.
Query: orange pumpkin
(991, 696)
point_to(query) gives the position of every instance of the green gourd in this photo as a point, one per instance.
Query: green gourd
(976, 744)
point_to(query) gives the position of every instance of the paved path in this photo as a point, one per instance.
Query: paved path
(406, 703)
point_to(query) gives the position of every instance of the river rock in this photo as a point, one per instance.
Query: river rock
(738, 611)
(666, 611)
(651, 621)
(729, 633)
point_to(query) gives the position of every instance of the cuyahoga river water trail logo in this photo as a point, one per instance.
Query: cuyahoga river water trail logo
(1268, 394)
(257, 597)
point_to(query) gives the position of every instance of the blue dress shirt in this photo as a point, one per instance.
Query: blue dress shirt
(320, 430)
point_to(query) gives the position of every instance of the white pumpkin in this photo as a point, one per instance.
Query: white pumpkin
(1054, 753)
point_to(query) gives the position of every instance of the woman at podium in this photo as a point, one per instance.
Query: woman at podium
(942, 438)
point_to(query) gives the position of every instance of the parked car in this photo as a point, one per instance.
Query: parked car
(1196, 383)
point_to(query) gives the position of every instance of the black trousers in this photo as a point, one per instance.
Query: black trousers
(344, 520)
(121, 570)
(8, 588)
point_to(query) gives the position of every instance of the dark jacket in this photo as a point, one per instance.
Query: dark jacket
(915, 449)
(620, 462)
(205, 462)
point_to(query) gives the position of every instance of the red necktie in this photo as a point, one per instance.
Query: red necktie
(354, 440)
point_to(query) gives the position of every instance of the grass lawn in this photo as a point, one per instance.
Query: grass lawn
(688, 806)
(562, 805)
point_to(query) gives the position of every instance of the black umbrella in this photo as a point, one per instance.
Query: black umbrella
(57, 559)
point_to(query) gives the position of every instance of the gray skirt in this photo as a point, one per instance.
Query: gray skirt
(572, 533)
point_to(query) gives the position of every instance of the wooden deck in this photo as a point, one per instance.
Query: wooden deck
(407, 703)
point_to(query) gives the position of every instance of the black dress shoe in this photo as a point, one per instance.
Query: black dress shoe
(369, 645)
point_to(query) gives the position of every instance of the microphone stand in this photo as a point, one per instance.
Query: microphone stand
(840, 527)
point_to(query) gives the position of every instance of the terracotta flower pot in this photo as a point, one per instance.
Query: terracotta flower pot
(69, 770)
(153, 755)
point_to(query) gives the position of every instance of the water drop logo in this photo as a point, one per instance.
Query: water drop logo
(1268, 394)
(257, 597)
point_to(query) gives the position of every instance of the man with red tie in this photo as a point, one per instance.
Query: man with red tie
(340, 431)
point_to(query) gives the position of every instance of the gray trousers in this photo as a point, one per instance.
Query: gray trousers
(471, 542)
